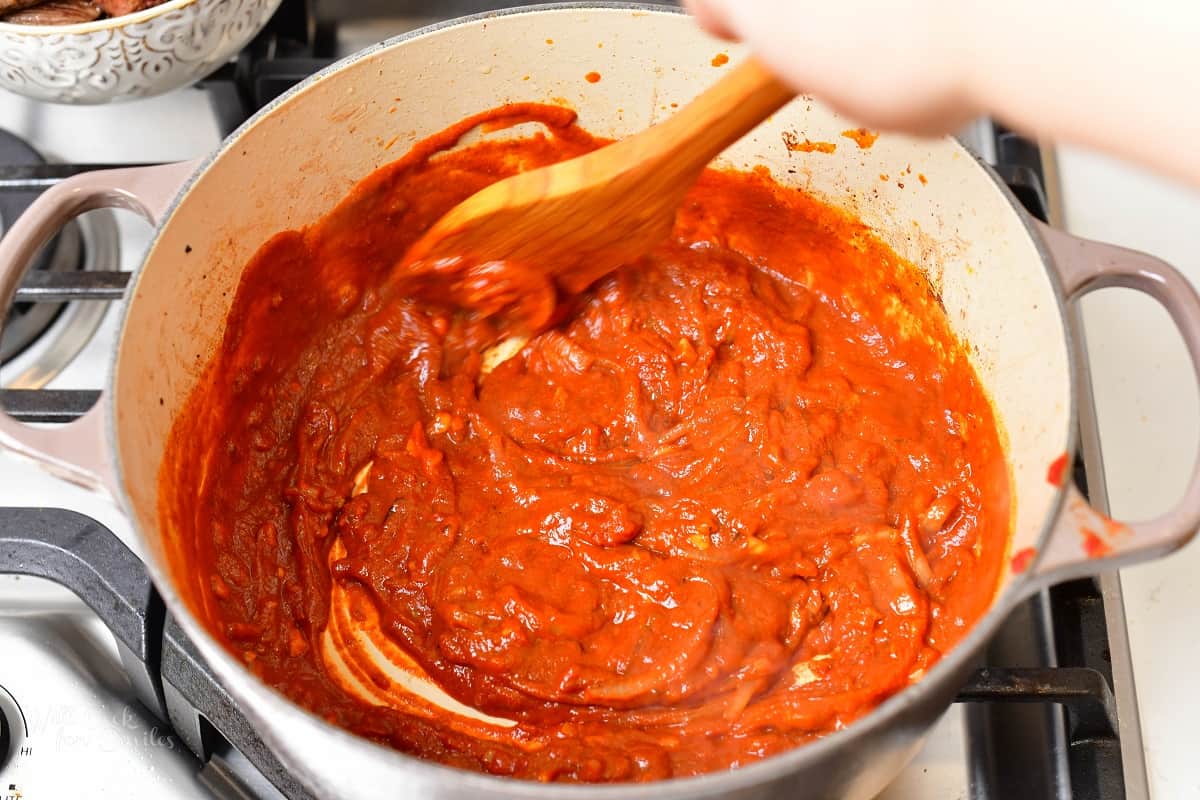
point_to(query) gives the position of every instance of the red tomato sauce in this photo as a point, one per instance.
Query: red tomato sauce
(794, 145)
(861, 137)
(740, 493)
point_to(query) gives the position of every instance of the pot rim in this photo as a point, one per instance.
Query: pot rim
(763, 771)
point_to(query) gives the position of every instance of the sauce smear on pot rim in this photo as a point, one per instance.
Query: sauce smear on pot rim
(736, 495)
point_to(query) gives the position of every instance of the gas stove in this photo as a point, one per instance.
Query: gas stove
(102, 695)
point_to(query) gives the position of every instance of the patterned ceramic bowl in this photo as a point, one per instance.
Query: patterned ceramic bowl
(137, 55)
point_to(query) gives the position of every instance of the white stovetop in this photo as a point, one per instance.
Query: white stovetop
(1148, 416)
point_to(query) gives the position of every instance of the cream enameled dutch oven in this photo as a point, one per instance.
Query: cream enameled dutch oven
(1004, 279)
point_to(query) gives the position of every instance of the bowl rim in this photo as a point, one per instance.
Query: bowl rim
(96, 25)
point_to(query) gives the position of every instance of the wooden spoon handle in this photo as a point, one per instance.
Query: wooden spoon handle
(583, 217)
(718, 117)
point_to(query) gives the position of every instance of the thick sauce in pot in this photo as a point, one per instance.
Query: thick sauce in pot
(738, 494)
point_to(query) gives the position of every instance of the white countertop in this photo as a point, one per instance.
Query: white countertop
(1149, 415)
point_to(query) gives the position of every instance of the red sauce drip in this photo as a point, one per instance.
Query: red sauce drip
(741, 492)
(1057, 471)
(862, 137)
(1022, 559)
(720, 59)
(794, 145)
(592, 77)
(1093, 545)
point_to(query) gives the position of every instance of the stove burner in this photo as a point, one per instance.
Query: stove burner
(28, 320)
(60, 330)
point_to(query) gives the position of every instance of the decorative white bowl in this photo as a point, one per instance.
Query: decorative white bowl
(137, 55)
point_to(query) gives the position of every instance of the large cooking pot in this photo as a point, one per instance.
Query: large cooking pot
(1004, 279)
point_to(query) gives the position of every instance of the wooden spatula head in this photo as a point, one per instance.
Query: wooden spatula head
(565, 225)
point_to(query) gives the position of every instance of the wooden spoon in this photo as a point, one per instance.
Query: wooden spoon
(574, 221)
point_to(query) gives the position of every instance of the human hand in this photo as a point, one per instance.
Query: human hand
(899, 66)
(1112, 75)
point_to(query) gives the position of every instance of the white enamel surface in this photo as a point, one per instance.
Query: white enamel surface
(294, 164)
(88, 736)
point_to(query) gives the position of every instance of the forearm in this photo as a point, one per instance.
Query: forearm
(1118, 76)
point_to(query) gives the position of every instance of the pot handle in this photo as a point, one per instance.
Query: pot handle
(77, 451)
(1083, 536)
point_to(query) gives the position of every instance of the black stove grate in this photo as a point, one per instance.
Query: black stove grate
(1041, 717)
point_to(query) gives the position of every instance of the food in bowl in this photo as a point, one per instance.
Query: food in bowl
(98, 59)
(738, 494)
(68, 12)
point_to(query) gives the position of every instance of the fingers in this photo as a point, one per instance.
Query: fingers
(712, 16)
(896, 66)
